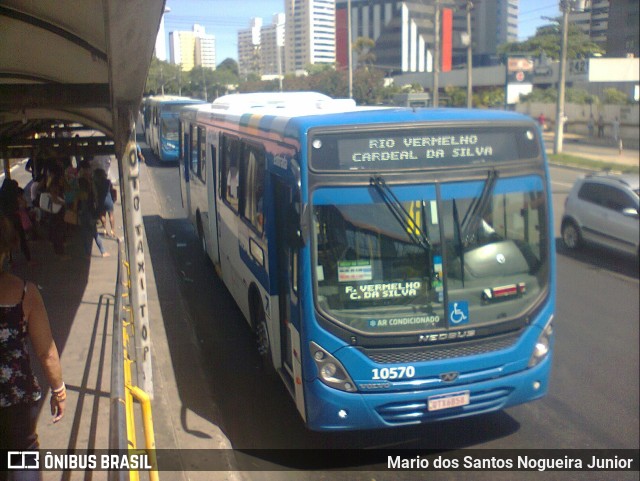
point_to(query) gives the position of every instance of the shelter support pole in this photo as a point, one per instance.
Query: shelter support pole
(135, 247)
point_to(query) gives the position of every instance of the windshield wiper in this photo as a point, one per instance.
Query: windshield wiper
(415, 232)
(459, 246)
(476, 211)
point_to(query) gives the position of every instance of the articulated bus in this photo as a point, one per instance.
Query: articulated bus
(397, 265)
(161, 119)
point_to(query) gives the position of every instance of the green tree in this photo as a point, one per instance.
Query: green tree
(457, 96)
(548, 39)
(163, 76)
(550, 96)
(364, 47)
(316, 68)
(615, 96)
(489, 98)
(230, 65)
(368, 86)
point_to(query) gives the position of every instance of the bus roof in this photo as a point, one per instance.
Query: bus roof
(173, 99)
(297, 103)
(288, 114)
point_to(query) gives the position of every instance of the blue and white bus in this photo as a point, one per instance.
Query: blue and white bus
(161, 120)
(397, 265)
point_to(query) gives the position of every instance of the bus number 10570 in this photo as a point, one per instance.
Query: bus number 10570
(393, 372)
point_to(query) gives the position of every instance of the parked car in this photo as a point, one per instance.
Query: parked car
(603, 209)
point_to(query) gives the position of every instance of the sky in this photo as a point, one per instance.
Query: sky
(223, 18)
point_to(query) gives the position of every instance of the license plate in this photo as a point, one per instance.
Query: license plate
(448, 401)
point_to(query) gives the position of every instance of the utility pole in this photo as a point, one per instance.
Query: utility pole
(469, 57)
(566, 6)
(436, 57)
(279, 50)
(204, 85)
(349, 48)
(557, 143)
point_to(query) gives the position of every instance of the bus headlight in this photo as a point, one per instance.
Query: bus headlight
(330, 371)
(542, 347)
(166, 145)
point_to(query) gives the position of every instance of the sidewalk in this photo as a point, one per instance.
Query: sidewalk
(602, 150)
(79, 296)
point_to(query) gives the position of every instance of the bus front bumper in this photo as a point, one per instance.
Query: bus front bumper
(330, 409)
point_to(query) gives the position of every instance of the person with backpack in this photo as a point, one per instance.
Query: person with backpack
(104, 200)
(88, 212)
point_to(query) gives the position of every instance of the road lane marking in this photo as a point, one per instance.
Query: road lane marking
(563, 184)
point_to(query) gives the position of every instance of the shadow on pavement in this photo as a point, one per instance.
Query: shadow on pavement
(64, 283)
(601, 258)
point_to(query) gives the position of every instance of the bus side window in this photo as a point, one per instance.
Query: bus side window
(230, 170)
(202, 156)
(182, 137)
(194, 150)
(253, 183)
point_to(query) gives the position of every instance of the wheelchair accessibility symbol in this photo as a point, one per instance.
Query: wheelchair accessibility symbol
(459, 312)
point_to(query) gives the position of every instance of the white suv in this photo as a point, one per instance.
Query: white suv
(603, 209)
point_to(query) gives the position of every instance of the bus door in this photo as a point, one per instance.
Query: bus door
(212, 206)
(183, 168)
(285, 198)
(228, 218)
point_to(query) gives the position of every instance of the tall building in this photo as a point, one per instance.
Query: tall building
(161, 41)
(190, 49)
(613, 25)
(205, 48)
(272, 46)
(594, 21)
(493, 22)
(310, 33)
(404, 31)
(622, 36)
(259, 46)
(249, 46)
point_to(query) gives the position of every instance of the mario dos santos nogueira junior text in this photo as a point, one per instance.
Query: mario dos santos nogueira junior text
(520, 462)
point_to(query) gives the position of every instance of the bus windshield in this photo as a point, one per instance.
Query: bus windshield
(374, 276)
(170, 127)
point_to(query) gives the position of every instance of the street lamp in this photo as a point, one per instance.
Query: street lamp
(566, 6)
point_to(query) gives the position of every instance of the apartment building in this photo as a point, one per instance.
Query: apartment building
(249, 46)
(622, 35)
(593, 21)
(259, 47)
(310, 33)
(192, 48)
(404, 31)
(493, 22)
(611, 24)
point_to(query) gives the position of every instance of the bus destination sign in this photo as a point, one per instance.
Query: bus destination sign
(392, 150)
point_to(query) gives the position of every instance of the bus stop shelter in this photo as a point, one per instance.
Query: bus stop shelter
(64, 65)
(68, 62)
